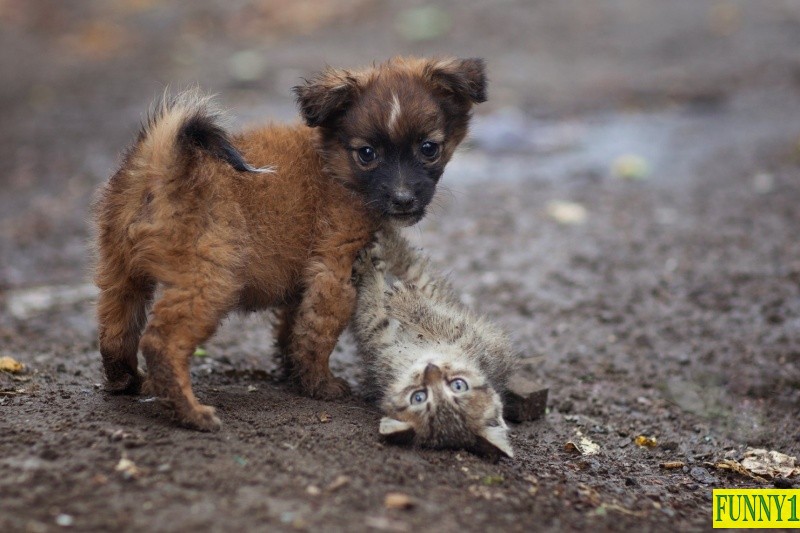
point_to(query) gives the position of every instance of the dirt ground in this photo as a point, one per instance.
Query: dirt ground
(669, 308)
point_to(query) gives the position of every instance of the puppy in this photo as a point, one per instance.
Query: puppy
(270, 218)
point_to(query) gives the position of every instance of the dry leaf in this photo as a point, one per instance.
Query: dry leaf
(11, 365)
(631, 167)
(324, 417)
(128, 468)
(770, 463)
(584, 446)
(735, 466)
(645, 441)
(566, 212)
(338, 483)
(398, 500)
(671, 465)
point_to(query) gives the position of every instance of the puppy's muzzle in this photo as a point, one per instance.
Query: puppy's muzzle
(402, 202)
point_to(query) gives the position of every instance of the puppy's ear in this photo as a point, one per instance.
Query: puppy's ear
(325, 96)
(463, 78)
(396, 431)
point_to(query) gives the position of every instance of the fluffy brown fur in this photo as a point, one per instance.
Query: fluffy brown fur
(187, 212)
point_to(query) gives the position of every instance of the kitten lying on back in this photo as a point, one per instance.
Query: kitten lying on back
(436, 369)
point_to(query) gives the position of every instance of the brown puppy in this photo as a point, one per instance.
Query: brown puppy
(187, 212)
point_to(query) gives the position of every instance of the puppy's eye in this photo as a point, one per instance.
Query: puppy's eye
(418, 397)
(458, 385)
(429, 149)
(366, 154)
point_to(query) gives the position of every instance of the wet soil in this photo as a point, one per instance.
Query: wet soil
(672, 310)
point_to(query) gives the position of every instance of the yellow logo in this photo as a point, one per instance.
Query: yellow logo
(756, 508)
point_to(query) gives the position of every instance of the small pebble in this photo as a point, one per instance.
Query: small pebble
(64, 520)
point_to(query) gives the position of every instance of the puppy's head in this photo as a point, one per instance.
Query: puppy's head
(388, 131)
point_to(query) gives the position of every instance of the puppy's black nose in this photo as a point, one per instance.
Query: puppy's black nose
(403, 200)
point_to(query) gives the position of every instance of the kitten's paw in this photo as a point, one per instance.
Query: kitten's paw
(375, 253)
(202, 418)
(331, 388)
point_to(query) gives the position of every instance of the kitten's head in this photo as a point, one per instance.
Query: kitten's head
(388, 131)
(446, 403)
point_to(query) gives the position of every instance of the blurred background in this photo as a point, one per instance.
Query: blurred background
(79, 75)
(626, 207)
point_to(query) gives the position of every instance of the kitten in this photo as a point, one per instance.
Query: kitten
(437, 370)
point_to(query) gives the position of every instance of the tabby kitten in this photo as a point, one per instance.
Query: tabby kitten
(436, 369)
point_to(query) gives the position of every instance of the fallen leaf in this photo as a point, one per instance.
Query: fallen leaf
(645, 441)
(338, 483)
(324, 417)
(770, 463)
(564, 212)
(128, 469)
(10, 365)
(631, 167)
(398, 500)
(200, 352)
(492, 480)
(735, 466)
(584, 446)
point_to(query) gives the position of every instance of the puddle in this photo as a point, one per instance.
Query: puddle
(675, 143)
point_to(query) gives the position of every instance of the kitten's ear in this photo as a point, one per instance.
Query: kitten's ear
(494, 439)
(326, 96)
(396, 431)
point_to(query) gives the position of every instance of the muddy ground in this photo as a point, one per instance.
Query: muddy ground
(672, 310)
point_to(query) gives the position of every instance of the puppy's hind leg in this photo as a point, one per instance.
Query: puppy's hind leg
(122, 311)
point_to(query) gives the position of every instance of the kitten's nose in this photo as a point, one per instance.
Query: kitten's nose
(432, 374)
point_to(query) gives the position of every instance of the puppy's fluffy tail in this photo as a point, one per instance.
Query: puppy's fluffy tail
(177, 129)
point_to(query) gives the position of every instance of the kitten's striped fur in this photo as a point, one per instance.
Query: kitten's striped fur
(414, 335)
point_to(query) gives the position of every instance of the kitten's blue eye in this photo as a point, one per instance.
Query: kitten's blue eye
(418, 397)
(459, 385)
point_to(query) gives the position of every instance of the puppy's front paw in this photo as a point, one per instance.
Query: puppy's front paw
(128, 383)
(202, 418)
(330, 388)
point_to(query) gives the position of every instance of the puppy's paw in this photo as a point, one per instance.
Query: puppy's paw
(362, 265)
(127, 383)
(331, 388)
(202, 418)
